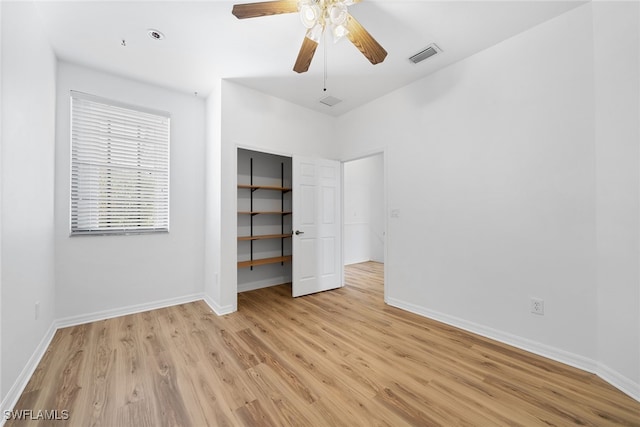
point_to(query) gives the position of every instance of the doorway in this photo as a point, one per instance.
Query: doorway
(364, 210)
(289, 222)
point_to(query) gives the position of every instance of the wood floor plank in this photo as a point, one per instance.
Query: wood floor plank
(339, 358)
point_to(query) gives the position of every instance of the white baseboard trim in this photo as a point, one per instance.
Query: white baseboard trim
(272, 281)
(609, 375)
(10, 400)
(123, 311)
(619, 381)
(351, 262)
(218, 309)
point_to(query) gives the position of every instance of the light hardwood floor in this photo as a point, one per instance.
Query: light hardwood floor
(338, 358)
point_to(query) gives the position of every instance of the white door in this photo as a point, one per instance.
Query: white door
(316, 226)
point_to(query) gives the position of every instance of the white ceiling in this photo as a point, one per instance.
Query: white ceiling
(204, 43)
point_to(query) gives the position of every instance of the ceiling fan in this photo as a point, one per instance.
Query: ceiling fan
(317, 15)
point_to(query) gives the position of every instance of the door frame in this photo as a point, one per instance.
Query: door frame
(234, 183)
(234, 253)
(364, 155)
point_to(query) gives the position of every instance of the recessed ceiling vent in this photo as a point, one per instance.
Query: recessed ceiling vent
(330, 100)
(431, 50)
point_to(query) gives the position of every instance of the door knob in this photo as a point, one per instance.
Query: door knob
(298, 232)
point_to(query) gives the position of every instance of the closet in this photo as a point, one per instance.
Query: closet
(264, 219)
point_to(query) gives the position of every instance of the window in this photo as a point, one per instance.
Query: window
(119, 167)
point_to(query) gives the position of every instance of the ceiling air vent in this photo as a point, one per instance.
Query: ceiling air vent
(431, 50)
(330, 100)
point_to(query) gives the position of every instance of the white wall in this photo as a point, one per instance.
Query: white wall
(617, 137)
(212, 223)
(1, 137)
(495, 192)
(363, 183)
(108, 274)
(250, 119)
(527, 171)
(28, 119)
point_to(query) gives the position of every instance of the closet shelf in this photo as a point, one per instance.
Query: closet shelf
(264, 261)
(264, 187)
(253, 211)
(265, 236)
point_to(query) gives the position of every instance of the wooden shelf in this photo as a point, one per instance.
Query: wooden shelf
(264, 236)
(264, 187)
(278, 214)
(264, 261)
(264, 213)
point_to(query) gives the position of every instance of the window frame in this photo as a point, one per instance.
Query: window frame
(161, 222)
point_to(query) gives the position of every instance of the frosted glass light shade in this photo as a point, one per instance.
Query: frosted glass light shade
(315, 33)
(338, 32)
(338, 13)
(309, 14)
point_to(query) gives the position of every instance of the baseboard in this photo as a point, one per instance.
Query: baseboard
(619, 381)
(10, 400)
(614, 378)
(272, 281)
(352, 262)
(123, 311)
(218, 309)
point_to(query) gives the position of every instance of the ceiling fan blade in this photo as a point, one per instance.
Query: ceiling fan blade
(364, 41)
(305, 56)
(254, 10)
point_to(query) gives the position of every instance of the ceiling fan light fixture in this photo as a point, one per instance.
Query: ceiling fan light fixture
(339, 32)
(315, 33)
(316, 16)
(338, 13)
(309, 13)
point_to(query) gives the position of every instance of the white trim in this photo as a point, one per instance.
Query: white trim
(260, 150)
(265, 283)
(10, 400)
(544, 350)
(619, 381)
(123, 311)
(247, 286)
(217, 309)
(614, 378)
(21, 382)
(360, 262)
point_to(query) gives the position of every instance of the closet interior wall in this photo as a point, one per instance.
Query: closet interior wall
(264, 219)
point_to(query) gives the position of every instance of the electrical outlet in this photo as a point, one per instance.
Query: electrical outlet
(37, 309)
(537, 306)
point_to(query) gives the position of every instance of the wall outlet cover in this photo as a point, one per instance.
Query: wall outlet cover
(537, 306)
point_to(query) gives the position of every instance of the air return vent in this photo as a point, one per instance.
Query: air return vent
(431, 50)
(330, 100)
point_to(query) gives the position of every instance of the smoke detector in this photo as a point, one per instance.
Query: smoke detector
(427, 52)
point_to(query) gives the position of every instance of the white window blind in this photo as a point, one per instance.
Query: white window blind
(119, 167)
